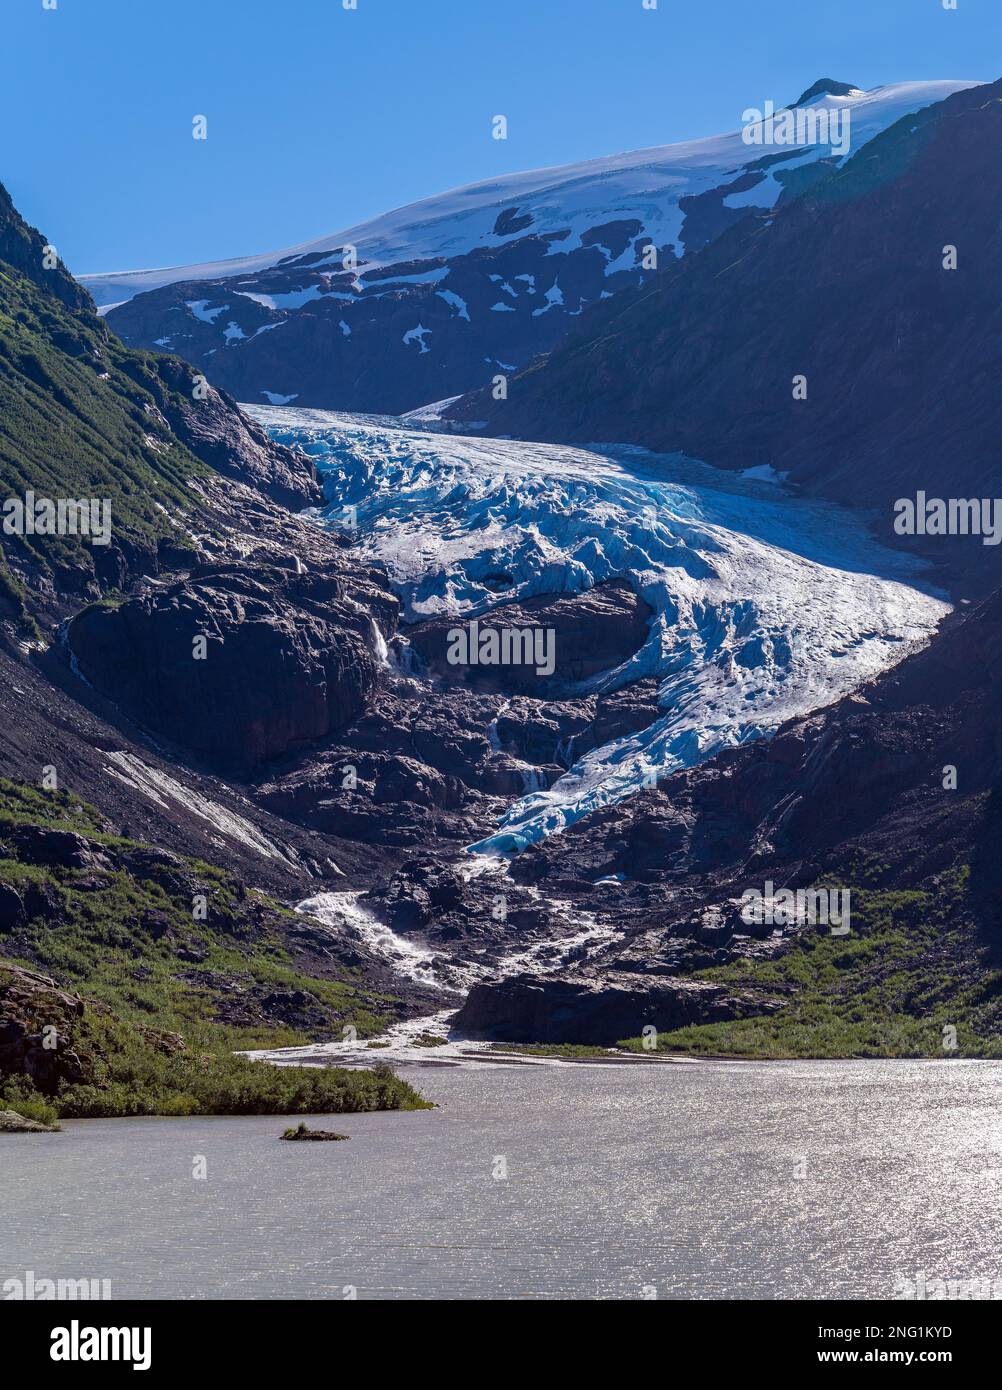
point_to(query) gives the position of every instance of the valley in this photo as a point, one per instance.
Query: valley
(504, 683)
(684, 674)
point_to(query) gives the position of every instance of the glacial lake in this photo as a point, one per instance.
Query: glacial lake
(693, 1179)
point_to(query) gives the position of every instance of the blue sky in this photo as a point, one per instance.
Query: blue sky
(319, 117)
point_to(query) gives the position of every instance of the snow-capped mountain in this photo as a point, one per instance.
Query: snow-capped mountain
(764, 606)
(443, 294)
(851, 288)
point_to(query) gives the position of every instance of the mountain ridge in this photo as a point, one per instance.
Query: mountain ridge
(434, 298)
(844, 290)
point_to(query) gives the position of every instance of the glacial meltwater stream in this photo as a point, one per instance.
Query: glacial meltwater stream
(605, 1178)
(559, 1179)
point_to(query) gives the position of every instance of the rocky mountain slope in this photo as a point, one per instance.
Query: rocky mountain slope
(82, 417)
(134, 877)
(827, 338)
(272, 706)
(894, 794)
(208, 694)
(445, 294)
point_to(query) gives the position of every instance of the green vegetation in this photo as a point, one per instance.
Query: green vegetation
(911, 968)
(570, 1050)
(171, 998)
(80, 419)
(20, 1096)
(132, 1077)
(133, 945)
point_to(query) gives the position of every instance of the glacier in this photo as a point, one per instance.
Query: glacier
(766, 605)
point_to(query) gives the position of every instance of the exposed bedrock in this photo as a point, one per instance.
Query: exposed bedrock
(411, 766)
(238, 662)
(592, 631)
(530, 1008)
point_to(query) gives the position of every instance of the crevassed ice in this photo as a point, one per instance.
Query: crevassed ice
(766, 605)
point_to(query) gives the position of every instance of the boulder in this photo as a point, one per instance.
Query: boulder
(11, 908)
(527, 1009)
(60, 849)
(37, 1023)
(13, 1123)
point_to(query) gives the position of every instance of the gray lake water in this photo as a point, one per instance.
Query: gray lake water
(694, 1179)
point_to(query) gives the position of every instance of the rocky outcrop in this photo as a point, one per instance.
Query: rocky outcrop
(64, 849)
(583, 634)
(210, 423)
(11, 908)
(300, 1131)
(12, 1123)
(424, 765)
(38, 1021)
(239, 663)
(586, 1010)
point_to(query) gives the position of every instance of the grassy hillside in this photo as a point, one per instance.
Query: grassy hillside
(77, 419)
(913, 966)
(168, 997)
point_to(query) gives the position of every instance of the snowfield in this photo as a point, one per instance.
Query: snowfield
(642, 184)
(766, 605)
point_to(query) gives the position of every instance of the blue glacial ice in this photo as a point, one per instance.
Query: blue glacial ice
(766, 605)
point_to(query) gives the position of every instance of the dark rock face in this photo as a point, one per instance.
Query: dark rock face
(217, 432)
(37, 1021)
(593, 631)
(825, 86)
(390, 339)
(64, 849)
(11, 908)
(288, 658)
(540, 1009)
(422, 765)
(844, 286)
